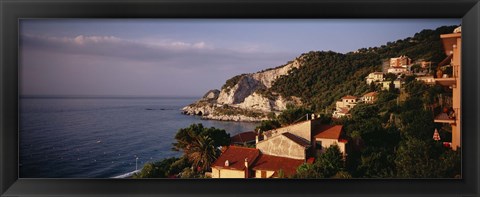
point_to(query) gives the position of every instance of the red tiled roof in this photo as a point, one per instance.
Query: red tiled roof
(370, 94)
(300, 141)
(343, 110)
(329, 131)
(274, 163)
(236, 157)
(349, 97)
(243, 137)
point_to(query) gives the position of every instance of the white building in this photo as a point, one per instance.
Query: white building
(397, 70)
(343, 107)
(374, 77)
(386, 84)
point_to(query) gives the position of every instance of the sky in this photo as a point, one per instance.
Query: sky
(182, 57)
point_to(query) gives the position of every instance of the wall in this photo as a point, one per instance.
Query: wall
(302, 129)
(456, 92)
(258, 173)
(227, 173)
(329, 142)
(281, 146)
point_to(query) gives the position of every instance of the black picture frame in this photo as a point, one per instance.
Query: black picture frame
(11, 11)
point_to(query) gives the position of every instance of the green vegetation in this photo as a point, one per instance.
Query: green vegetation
(200, 149)
(292, 115)
(230, 111)
(326, 76)
(392, 138)
(232, 81)
(268, 125)
(327, 165)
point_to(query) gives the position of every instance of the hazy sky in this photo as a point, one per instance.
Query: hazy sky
(181, 57)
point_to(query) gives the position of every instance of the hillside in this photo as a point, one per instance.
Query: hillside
(314, 80)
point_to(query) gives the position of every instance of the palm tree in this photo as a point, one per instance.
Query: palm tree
(201, 152)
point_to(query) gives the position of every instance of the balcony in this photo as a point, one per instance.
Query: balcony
(448, 117)
(448, 76)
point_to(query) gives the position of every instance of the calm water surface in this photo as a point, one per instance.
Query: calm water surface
(101, 137)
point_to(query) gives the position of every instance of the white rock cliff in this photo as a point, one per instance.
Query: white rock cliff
(243, 102)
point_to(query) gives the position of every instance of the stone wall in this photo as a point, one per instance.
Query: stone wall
(281, 146)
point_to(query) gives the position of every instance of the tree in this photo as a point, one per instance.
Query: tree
(293, 114)
(306, 171)
(413, 160)
(202, 153)
(266, 125)
(330, 162)
(158, 169)
(186, 136)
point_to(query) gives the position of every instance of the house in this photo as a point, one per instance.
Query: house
(427, 79)
(248, 137)
(280, 153)
(242, 162)
(343, 107)
(341, 112)
(235, 162)
(369, 97)
(400, 61)
(452, 45)
(268, 166)
(397, 84)
(374, 77)
(328, 135)
(293, 146)
(397, 70)
(347, 102)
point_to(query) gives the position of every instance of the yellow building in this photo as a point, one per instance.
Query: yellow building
(242, 162)
(452, 44)
(328, 135)
(235, 162)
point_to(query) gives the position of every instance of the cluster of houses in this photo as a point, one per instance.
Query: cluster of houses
(279, 152)
(399, 66)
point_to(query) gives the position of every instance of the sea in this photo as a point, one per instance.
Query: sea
(102, 137)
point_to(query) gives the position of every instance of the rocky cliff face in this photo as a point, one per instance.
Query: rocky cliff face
(244, 99)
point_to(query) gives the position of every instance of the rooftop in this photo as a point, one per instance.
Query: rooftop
(349, 97)
(274, 163)
(300, 141)
(370, 94)
(236, 157)
(243, 137)
(329, 132)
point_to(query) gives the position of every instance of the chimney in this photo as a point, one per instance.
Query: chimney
(256, 139)
(247, 174)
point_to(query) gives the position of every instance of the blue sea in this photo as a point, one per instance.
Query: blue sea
(88, 137)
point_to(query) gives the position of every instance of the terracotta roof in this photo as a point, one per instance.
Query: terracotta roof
(274, 163)
(329, 131)
(299, 140)
(349, 97)
(343, 110)
(243, 137)
(370, 94)
(378, 73)
(236, 157)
